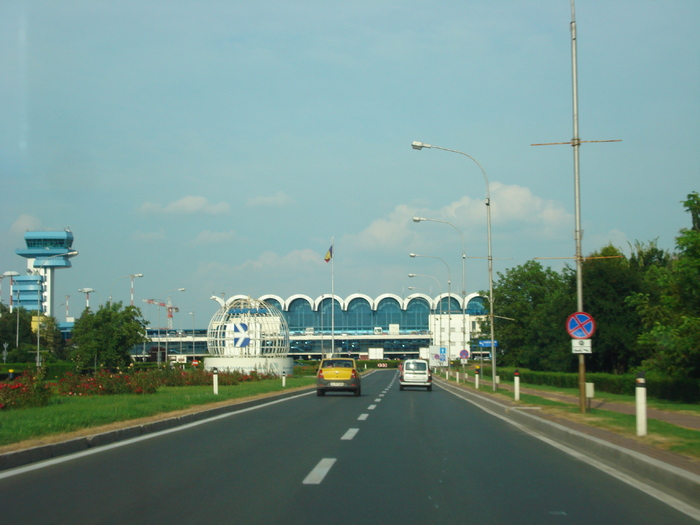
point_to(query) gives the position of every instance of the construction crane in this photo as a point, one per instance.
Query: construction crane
(169, 307)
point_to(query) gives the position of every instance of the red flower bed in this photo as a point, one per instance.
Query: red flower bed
(27, 390)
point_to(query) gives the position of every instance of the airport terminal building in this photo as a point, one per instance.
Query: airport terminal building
(360, 326)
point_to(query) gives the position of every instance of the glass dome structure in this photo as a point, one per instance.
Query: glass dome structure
(248, 328)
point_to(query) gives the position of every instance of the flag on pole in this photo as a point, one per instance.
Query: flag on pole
(329, 254)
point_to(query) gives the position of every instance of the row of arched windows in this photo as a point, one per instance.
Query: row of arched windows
(361, 314)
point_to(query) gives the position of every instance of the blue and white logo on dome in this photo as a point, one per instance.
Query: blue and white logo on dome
(240, 335)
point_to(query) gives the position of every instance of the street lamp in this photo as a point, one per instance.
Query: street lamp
(440, 294)
(170, 320)
(50, 300)
(192, 313)
(449, 305)
(87, 292)
(421, 145)
(132, 285)
(464, 277)
(12, 276)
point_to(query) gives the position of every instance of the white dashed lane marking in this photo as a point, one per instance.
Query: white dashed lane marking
(319, 472)
(363, 417)
(350, 434)
(371, 407)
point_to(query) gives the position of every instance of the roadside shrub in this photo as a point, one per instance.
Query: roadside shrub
(686, 390)
(27, 390)
(105, 383)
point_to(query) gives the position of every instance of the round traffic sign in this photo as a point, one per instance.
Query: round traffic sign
(464, 354)
(580, 325)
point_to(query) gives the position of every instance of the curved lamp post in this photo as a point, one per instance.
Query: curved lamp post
(439, 291)
(464, 277)
(170, 322)
(132, 285)
(12, 276)
(39, 301)
(449, 305)
(421, 145)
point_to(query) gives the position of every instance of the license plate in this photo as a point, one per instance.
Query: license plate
(337, 384)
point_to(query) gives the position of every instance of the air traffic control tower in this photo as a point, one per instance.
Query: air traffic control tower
(45, 252)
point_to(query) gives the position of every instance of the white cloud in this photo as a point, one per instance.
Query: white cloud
(278, 199)
(518, 209)
(187, 206)
(24, 223)
(388, 232)
(515, 212)
(209, 237)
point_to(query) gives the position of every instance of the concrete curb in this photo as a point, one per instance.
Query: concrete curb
(663, 476)
(20, 458)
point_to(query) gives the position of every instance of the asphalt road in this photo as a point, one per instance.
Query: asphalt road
(412, 457)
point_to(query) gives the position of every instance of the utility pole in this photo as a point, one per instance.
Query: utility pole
(578, 232)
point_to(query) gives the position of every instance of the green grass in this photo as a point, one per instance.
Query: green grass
(69, 414)
(660, 434)
(661, 404)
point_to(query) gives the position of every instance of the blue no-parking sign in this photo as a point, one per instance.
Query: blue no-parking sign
(580, 325)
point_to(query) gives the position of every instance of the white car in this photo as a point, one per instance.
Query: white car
(415, 372)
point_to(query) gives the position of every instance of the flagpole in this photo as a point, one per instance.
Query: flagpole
(332, 298)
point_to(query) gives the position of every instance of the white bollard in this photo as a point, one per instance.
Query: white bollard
(216, 381)
(641, 402)
(590, 393)
(284, 378)
(476, 380)
(516, 387)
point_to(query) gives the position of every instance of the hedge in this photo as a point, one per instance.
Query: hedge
(685, 390)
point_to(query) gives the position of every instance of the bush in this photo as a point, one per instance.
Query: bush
(686, 390)
(105, 383)
(28, 390)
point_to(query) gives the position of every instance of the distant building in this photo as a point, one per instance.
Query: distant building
(400, 327)
(46, 251)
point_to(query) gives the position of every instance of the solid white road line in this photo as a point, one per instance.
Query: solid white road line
(97, 450)
(319, 472)
(350, 434)
(693, 512)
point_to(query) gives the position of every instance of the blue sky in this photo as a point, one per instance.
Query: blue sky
(219, 146)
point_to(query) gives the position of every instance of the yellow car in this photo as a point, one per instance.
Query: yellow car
(338, 374)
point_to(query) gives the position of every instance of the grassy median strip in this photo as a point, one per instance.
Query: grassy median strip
(69, 414)
(660, 434)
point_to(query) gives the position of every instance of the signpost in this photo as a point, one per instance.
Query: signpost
(581, 326)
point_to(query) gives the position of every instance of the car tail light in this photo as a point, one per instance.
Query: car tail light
(354, 374)
(320, 373)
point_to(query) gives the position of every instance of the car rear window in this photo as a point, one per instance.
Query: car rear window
(337, 363)
(416, 365)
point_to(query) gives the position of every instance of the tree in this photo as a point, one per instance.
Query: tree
(669, 307)
(20, 320)
(538, 300)
(105, 338)
(608, 279)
